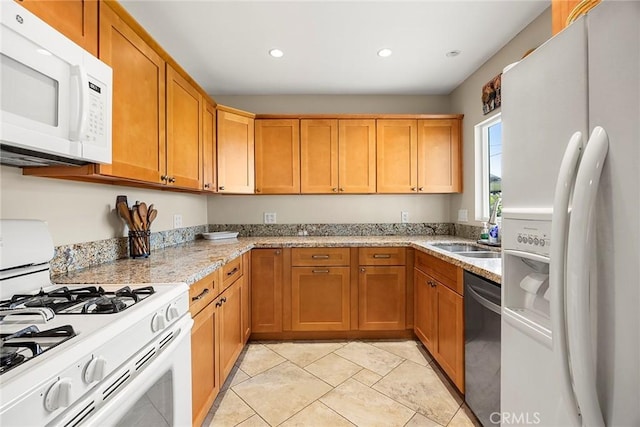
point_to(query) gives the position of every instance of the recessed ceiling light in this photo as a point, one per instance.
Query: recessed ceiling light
(385, 52)
(453, 53)
(276, 53)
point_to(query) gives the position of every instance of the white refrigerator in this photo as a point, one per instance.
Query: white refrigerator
(571, 226)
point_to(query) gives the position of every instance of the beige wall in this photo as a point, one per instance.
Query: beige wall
(332, 209)
(344, 104)
(465, 99)
(83, 212)
(328, 209)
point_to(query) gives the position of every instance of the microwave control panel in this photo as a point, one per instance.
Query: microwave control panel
(96, 117)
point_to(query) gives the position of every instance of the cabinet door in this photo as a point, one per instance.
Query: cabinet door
(209, 148)
(320, 298)
(205, 380)
(76, 19)
(560, 10)
(246, 297)
(319, 156)
(439, 156)
(451, 334)
(231, 337)
(267, 267)
(184, 132)
(357, 156)
(397, 156)
(425, 310)
(235, 153)
(277, 156)
(139, 99)
(381, 298)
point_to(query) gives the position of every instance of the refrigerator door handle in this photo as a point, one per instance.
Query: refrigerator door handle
(559, 231)
(580, 241)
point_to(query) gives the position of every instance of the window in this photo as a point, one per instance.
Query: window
(488, 136)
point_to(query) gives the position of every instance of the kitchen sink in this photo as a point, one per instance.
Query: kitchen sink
(458, 247)
(480, 254)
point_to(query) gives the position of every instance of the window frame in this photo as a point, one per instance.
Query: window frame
(481, 136)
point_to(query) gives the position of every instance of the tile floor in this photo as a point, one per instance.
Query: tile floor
(338, 383)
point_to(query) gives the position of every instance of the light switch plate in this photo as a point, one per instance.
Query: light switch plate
(404, 217)
(269, 217)
(463, 215)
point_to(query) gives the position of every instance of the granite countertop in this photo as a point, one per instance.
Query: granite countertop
(190, 262)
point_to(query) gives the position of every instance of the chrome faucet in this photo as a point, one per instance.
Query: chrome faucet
(494, 211)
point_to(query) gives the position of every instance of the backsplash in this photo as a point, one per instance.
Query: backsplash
(81, 255)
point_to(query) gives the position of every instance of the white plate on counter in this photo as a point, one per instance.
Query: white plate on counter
(220, 235)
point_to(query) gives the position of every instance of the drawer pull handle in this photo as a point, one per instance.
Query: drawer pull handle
(232, 272)
(201, 295)
(320, 271)
(381, 255)
(320, 256)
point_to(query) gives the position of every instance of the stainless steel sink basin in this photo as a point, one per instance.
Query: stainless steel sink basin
(480, 254)
(458, 247)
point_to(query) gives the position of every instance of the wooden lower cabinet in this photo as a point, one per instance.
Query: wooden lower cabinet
(267, 271)
(438, 323)
(205, 357)
(381, 298)
(231, 333)
(246, 296)
(320, 298)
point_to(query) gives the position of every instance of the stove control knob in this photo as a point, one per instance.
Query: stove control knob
(58, 395)
(172, 313)
(95, 369)
(157, 322)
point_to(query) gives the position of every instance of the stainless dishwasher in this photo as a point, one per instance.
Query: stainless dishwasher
(482, 347)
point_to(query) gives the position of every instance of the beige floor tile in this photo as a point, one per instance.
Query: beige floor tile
(333, 369)
(316, 415)
(368, 356)
(364, 406)
(303, 353)
(420, 389)
(257, 358)
(236, 376)
(407, 349)
(229, 410)
(254, 421)
(420, 420)
(280, 392)
(464, 418)
(367, 377)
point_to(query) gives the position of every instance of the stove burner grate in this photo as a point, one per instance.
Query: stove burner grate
(11, 344)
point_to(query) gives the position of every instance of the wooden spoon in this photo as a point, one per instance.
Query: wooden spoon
(123, 210)
(142, 210)
(137, 221)
(152, 215)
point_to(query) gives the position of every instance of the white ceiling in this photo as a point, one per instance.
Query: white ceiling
(330, 46)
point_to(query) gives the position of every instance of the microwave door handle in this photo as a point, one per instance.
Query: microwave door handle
(81, 78)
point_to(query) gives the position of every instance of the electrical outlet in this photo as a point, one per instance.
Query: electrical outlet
(269, 217)
(463, 215)
(177, 221)
(404, 217)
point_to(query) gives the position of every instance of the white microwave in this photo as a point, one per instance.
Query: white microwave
(55, 96)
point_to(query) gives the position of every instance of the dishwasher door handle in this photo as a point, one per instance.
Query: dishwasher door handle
(483, 301)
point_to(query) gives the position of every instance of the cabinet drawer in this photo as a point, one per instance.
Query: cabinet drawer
(381, 256)
(301, 257)
(203, 292)
(231, 271)
(443, 271)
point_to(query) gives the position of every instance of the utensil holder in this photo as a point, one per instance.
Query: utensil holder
(139, 244)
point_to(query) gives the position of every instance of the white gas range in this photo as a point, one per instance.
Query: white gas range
(94, 355)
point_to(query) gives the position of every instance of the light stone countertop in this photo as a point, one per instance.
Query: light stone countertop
(190, 262)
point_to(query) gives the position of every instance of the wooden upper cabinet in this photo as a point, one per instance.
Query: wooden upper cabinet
(139, 98)
(235, 152)
(397, 160)
(357, 156)
(209, 182)
(184, 132)
(277, 156)
(338, 156)
(76, 19)
(439, 156)
(560, 11)
(319, 156)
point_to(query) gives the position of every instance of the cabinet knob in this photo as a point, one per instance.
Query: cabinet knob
(164, 177)
(221, 188)
(341, 189)
(421, 189)
(414, 189)
(335, 190)
(207, 185)
(278, 252)
(223, 300)
(257, 190)
(362, 270)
